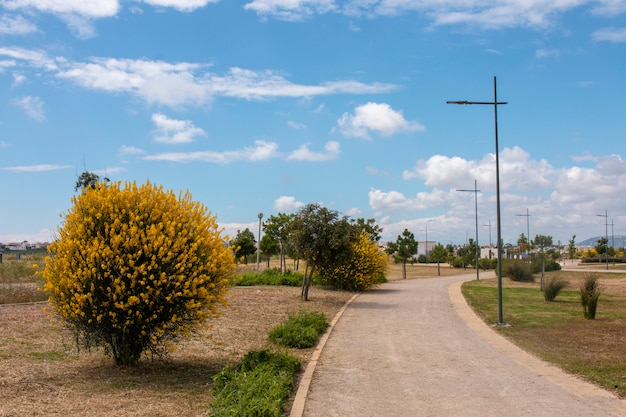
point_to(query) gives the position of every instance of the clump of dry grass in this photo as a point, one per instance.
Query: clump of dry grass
(43, 374)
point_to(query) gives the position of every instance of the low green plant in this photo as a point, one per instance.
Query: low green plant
(553, 287)
(517, 271)
(301, 330)
(589, 295)
(258, 386)
(269, 277)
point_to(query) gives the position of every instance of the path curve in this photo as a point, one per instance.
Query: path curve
(414, 348)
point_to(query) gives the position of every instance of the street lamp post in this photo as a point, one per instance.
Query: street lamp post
(489, 238)
(258, 245)
(475, 191)
(606, 235)
(527, 215)
(495, 104)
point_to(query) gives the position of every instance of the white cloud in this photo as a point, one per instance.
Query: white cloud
(189, 83)
(32, 106)
(287, 204)
(485, 14)
(259, 152)
(291, 10)
(296, 125)
(303, 153)
(617, 35)
(353, 212)
(376, 117)
(16, 25)
(561, 201)
(517, 170)
(18, 79)
(180, 5)
(130, 150)
(35, 168)
(175, 131)
(93, 9)
(37, 59)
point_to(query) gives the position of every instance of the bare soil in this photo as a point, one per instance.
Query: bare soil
(43, 374)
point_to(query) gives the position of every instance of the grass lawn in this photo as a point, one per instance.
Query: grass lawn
(556, 331)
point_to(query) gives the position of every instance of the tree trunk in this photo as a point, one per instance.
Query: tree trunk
(403, 270)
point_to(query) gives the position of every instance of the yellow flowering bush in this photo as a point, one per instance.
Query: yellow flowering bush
(135, 267)
(366, 267)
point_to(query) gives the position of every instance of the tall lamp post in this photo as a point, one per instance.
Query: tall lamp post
(527, 215)
(258, 245)
(606, 235)
(475, 191)
(495, 104)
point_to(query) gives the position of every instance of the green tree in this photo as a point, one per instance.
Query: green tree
(278, 227)
(571, 249)
(269, 247)
(468, 253)
(324, 239)
(542, 242)
(370, 227)
(244, 245)
(403, 249)
(136, 267)
(602, 247)
(88, 180)
(439, 254)
(522, 242)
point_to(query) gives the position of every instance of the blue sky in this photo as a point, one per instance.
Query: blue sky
(267, 105)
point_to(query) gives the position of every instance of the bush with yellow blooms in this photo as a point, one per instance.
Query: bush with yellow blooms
(365, 268)
(136, 267)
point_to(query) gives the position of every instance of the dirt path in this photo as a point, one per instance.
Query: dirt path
(414, 348)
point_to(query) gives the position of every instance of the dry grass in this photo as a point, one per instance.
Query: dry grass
(44, 375)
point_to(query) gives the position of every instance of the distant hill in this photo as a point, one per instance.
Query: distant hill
(620, 241)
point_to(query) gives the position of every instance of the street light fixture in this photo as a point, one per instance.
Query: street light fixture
(475, 191)
(495, 104)
(527, 215)
(606, 236)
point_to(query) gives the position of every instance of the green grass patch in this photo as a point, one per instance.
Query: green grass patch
(269, 277)
(48, 356)
(258, 386)
(557, 331)
(301, 330)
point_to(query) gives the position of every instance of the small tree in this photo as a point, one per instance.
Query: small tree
(542, 241)
(439, 254)
(269, 247)
(602, 248)
(88, 180)
(244, 245)
(403, 249)
(571, 249)
(278, 227)
(135, 268)
(324, 239)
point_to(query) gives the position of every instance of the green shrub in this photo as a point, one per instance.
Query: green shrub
(517, 271)
(550, 265)
(258, 386)
(553, 287)
(300, 331)
(269, 277)
(589, 294)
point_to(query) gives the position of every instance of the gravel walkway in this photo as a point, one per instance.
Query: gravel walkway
(414, 348)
